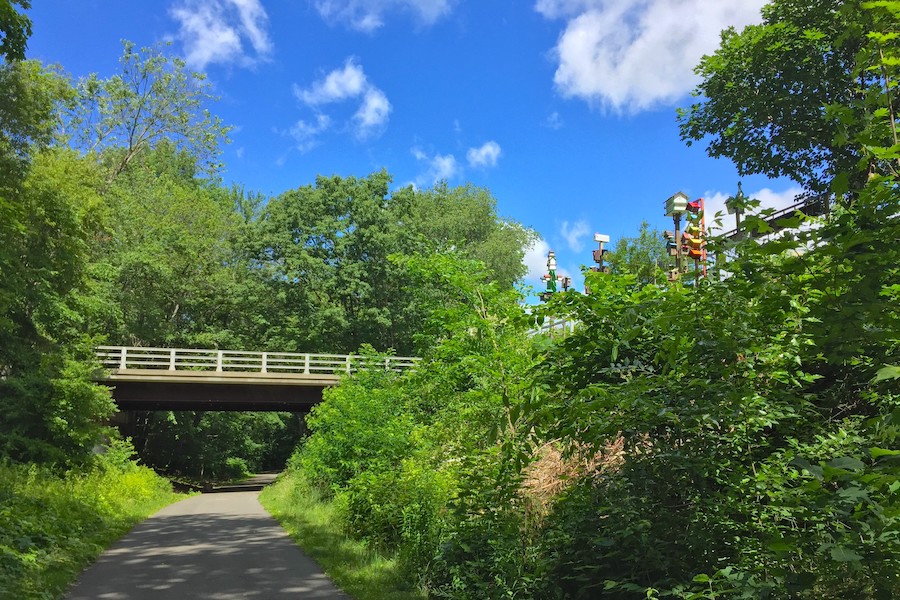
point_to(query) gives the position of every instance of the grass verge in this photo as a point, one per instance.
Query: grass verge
(313, 523)
(52, 524)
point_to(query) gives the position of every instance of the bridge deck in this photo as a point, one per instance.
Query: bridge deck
(198, 379)
(222, 377)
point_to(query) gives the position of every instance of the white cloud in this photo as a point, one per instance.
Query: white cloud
(348, 83)
(555, 9)
(715, 202)
(632, 55)
(444, 167)
(368, 15)
(339, 84)
(485, 156)
(554, 121)
(373, 114)
(306, 134)
(212, 31)
(574, 233)
(253, 20)
(439, 167)
(535, 260)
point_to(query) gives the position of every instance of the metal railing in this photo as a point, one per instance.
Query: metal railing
(554, 327)
(235, 361)
(815, 206)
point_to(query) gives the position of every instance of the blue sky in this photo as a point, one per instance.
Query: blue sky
(564, 109)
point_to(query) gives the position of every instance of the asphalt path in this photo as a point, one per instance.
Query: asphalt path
(212, 546)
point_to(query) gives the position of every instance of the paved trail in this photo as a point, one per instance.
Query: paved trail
(213, 546)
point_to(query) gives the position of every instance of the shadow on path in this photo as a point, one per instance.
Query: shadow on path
(212, 546)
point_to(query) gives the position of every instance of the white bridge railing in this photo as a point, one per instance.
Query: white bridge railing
(554, 327)
(181, 359)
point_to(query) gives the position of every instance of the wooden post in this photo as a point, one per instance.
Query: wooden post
(123, 364)
(677, 220)
(264, 359)
(172, 359)
(219, 361)
(306, 364)
(348, 364)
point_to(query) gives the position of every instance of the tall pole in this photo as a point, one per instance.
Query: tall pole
(675, 207)
(676, 218)
(703, 234)
(550, 277)
(735, 205)
(551, 272)
(599, 252)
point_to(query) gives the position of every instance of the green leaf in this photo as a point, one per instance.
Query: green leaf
(841, 554)
(840, 184)
(879, 452)
(515, 413)
(847, 463)
(797, 582)
(814, 470)
(781, 546)
(888, 372)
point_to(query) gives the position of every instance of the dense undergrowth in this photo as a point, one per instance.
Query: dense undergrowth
(316, 524)
(733, 437)
(737, 439)
(53, 524)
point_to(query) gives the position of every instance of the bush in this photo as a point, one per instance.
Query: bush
(402, 509)
(360, 426)
(53, 524)
(235, 468)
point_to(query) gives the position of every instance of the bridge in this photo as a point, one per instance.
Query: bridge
(813, 206)
(198, 379)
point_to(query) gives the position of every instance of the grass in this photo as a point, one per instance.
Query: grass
(314, 524)
(52, 525)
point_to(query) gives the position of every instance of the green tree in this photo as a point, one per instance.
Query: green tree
(757, 414)
(169, 260)
(643, 256)
(49, 212)
(154, 98)
(465, 219)
(416, 460)
(15, 29)
(325, 249)
(28, 98)
(51, 410)
(766, 89)
(215, 445)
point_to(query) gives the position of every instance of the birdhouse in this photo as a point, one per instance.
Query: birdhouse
(677, 204)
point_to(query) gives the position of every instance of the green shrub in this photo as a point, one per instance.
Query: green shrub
(402, 509)
(235, 468)
(314, 522)
(360, 426)
(53, 524)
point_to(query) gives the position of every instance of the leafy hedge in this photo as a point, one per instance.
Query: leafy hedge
(53, 524)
